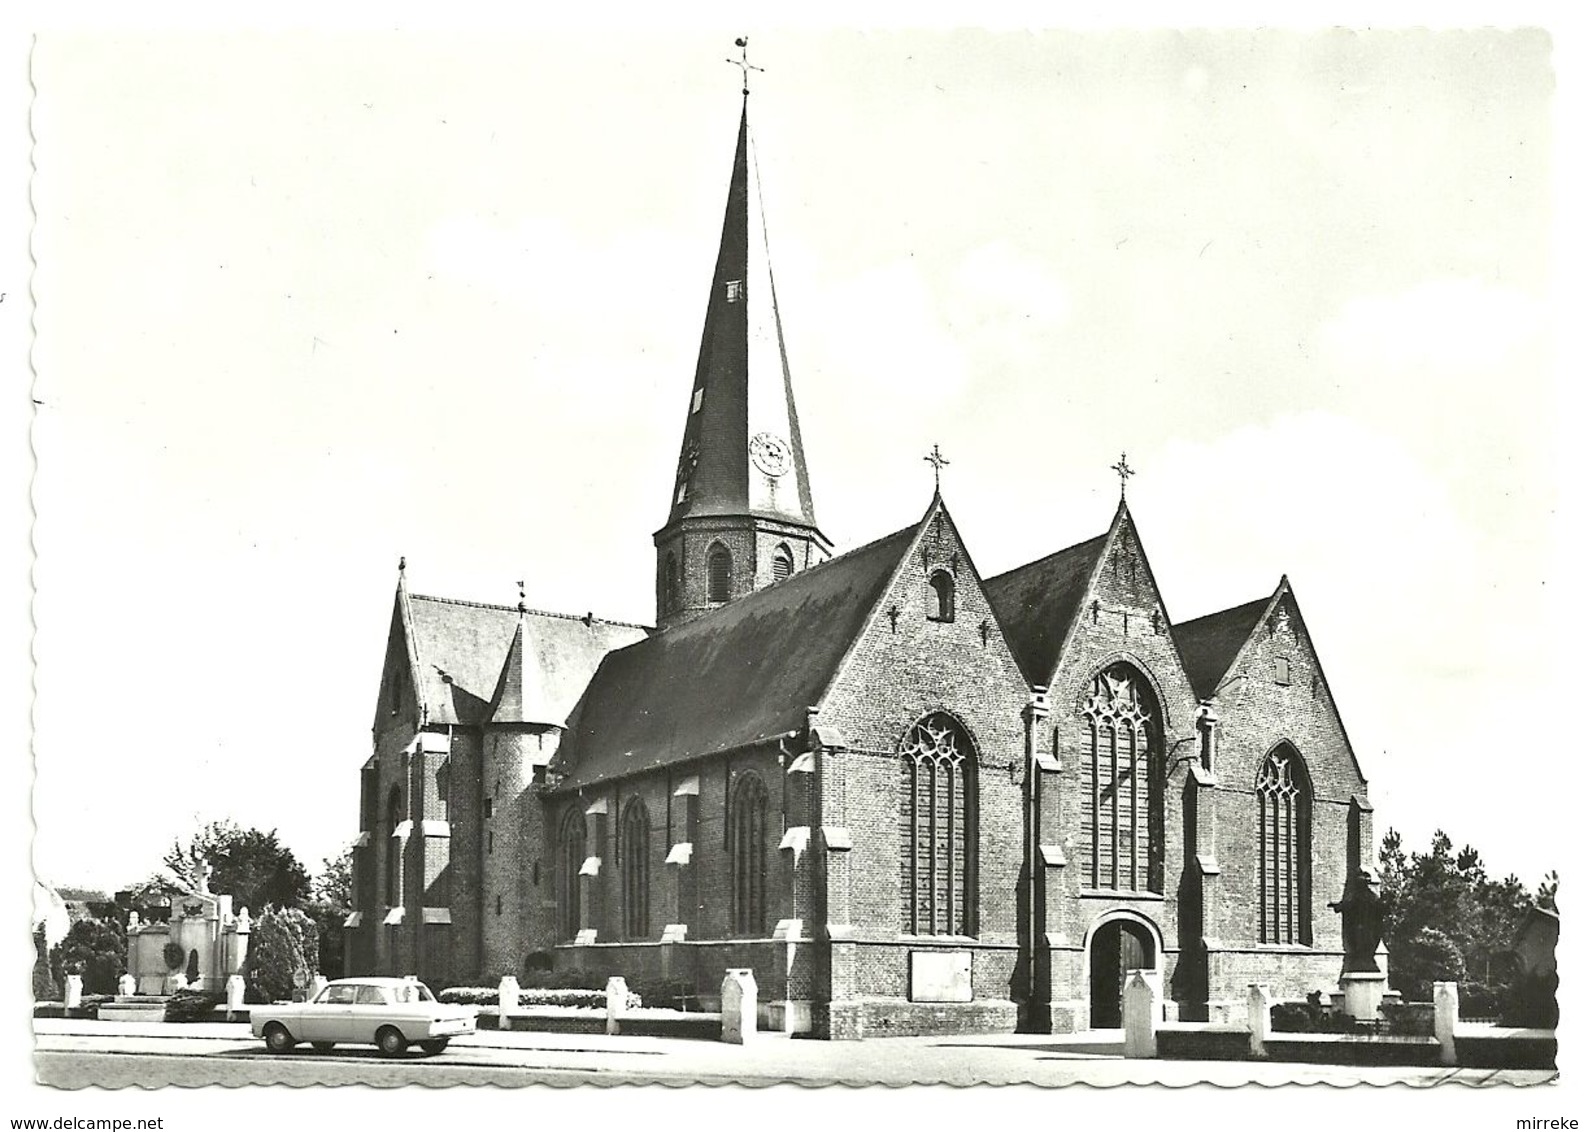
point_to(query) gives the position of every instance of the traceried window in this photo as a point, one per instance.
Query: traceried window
(1284, 849)
(1122, 822)
(940, 596)
(570, 859)
(719, 573)
(747, 849)
(636, 856)
(936, 813)
(394, 847)
(782, 563)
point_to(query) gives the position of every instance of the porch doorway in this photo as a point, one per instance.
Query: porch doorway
(1118, 946)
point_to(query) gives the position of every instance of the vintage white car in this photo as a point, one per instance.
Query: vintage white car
(390, 1014)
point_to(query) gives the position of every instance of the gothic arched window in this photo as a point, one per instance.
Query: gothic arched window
(669, 583)
(940, 599)
(782, 563)
(1123, 819)
(747, 818)
(937, 775)
(719, 573)
(1284, 849)
(636, 851)
(570, 860)
(394, 847)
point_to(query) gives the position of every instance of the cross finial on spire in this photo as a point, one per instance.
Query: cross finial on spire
(1124, 471)
(522, 608)
(938, 462)
(743, 61)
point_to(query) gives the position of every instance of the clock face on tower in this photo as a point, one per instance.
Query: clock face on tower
(770, 453)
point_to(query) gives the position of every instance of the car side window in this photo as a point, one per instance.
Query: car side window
(339, 996)
(371, 996)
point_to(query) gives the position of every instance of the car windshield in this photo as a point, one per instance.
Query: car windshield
(412, 992)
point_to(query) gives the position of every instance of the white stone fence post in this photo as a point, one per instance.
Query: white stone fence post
(235, 989)
(738, 1005)
(506, 1001)
(1258, 1017)
(617, 1002)
(1447, 1009)
(1142, 1011)
(74, 991)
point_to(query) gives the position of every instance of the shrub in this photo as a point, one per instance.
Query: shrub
(1427, 958)
(95, 949)
(1408, 1019)
(1479, 1000)
(174, 955)
(89, 1008)
(190, 1005)
(283, 947)
(1310, 1017)
(45, 988)
(666, 994)
(1530, 1001)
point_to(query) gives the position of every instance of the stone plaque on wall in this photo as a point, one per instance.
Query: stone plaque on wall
(940, 976)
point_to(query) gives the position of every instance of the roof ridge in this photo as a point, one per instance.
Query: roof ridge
(1046, 557)
(537, 612)
(1221, 612)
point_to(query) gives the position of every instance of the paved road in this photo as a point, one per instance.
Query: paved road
(78, 1054)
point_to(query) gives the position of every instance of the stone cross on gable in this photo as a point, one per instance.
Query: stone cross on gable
(1124, 471)
(938, 462)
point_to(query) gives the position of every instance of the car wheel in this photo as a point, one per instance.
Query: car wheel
(391, 1042)
(325, 1047)
(277, 1039)
(434, 1045)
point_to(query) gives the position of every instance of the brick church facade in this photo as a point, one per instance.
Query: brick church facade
(911, 798)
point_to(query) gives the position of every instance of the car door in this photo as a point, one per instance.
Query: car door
(326, 1018)
(371, 1008)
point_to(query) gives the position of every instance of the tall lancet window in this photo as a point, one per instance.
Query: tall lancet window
(747, 836)
(1284, 848)
(936, 816)
(394, 848)
(1122, 823)
(570, 860)
(782, 563)
(636, 850)
(719, 573)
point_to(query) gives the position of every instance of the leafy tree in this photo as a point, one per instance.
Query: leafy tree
(45, 988)
(1445, 917)
(249, 864)
(283, 947)
(330, 903)
(95, 949)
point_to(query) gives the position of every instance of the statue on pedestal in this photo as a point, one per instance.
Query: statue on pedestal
(1362, 922)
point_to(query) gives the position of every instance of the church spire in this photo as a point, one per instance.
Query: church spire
(741, 465)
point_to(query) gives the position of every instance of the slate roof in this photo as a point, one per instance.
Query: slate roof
(1208, 644)
(745, 672)
(1037, 603)
(463, 648)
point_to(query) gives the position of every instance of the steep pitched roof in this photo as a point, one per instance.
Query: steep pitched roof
(1208, 645)
(742, 673)
(463, 648)
(1037, 603)
(742, 400)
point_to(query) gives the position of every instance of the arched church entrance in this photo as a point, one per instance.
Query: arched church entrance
(1119, 946)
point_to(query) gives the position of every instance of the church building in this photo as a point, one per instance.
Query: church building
(911, 798)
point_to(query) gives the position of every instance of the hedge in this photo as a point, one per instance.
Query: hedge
(189, 1005)
(534, 996)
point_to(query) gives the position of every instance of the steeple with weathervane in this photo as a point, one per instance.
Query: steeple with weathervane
(740, 516)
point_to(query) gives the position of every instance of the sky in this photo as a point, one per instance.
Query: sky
(307, 303)
(298, 303)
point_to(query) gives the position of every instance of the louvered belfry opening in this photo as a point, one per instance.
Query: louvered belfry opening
(719, 573)
(1122, 824)
(936, 813)
(1284, 803)
(747, 850)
